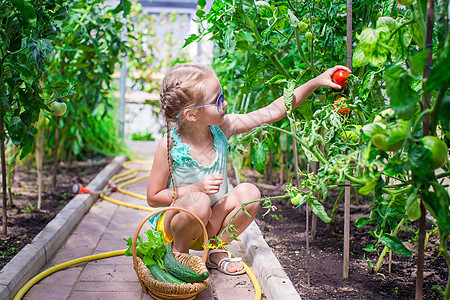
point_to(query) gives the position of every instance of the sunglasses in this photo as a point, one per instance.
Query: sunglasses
(219, 103)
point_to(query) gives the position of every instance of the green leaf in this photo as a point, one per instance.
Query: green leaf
(359, 59)
(202, 3)
(150, 251)
(370, 182)
(395, 244)
(413, 205)
(229, 42)
(387, 21)
(437, 202)
(264, 9)
(124, 5)
(439, 75)
(417, 35)
(292, 18)
(419, 159)
(398, 87)
(288, 95)
(374, 43)
(418, 62)
(190, 39)
(318, 209)
(363, 221)
(25, 8)
(369, 248)
(444, 116)
(306, 110)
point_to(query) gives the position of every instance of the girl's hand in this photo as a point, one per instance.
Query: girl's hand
(326, 78)
(210, 184)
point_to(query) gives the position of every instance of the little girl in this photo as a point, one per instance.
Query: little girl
(190, 163)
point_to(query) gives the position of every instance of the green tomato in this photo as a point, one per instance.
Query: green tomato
(393, 137)
(438, 148)
(405, 2)
(302, 26)
(58, 108)
(308, 35)
(296, 200)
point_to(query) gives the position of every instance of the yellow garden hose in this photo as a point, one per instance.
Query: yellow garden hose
(128, 177)
(62, 266)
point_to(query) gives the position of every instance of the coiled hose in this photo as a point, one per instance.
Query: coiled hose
(129, 177)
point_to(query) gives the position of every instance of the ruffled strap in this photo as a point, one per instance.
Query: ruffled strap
(180, 150)
(219, 137)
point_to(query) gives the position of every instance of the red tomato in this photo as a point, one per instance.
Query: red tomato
(340, 77)
(340, 102)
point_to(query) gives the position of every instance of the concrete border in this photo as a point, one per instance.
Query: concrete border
(274, 282)
(30, 260)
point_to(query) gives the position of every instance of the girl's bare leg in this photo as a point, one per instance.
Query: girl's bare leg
(181, 225)
(225, 209)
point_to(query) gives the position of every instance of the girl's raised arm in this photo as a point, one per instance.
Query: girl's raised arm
(241, 123)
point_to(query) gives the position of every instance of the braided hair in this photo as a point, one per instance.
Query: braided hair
(181, 88)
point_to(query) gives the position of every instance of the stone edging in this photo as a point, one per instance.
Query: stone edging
(268, 270)
(30, 260)
(271, 276)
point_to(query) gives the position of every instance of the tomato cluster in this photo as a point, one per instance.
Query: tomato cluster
(341, 106)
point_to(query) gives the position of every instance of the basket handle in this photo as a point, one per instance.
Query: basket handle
(156, 211)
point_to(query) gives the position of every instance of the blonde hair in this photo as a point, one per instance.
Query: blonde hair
(181, 88)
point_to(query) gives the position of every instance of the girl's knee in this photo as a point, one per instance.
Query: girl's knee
(200, 205)
(249, 191)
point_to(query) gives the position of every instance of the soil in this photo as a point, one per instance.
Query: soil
(319, 275)
(24, 221)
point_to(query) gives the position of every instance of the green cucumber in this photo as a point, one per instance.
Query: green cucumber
(161, 275)
(174, 267)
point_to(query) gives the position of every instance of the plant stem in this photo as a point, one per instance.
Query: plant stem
(435, 111)
(302, 54)
(401, 26)
(336, 204)
(386, 248)
(272, 57)
(3, 156)
(443, 248)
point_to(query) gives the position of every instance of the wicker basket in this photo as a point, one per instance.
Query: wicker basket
(161, 290)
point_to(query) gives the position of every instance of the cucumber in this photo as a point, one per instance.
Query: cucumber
(161, 275)
(174, 267)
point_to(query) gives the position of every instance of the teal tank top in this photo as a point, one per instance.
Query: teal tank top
(187, 170)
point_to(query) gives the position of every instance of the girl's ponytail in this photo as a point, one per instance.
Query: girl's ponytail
(170, 160)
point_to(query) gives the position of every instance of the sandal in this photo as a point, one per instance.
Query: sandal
(224, 262)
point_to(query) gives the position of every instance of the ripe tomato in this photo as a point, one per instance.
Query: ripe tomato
(340, 102)
(340, 77)
(58, 108)
(439, 151)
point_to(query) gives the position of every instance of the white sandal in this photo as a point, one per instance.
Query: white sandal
(224, 262)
